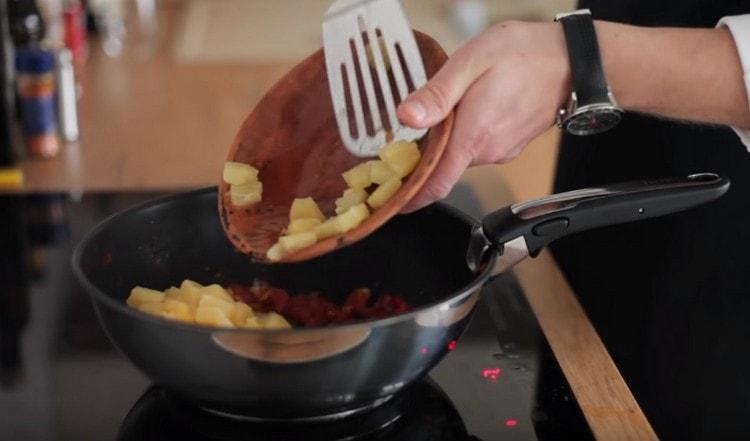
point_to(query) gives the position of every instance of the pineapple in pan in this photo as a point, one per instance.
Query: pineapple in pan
(210, 305)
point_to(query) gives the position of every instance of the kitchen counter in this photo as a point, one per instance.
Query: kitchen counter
(151, 123)
(153, 119)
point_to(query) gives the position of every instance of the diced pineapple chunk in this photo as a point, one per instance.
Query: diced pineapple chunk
(380, 172)
(154, 308)
(190, 293)
(352, 217)
(171, 292)
(328, 229)
(275, 253)
(297, 241)
(140, 295)
(237, 173)
(359, 176)
(179, 317)
(217, 291)
(401, 156)
(212, 316)
(254, 322)
(190, 285)
(351, 197)
(383, 193)
(176, 306)
(273, 320)
(343, 222)
(215, 302)
(305, 208)
(243, 195)
(303, 225)
(240, 313)
(209, 305)
(177, 310)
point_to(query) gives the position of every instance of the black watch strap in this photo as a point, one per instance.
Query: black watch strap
(586, 67)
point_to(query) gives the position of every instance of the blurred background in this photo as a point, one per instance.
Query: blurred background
(103, 95)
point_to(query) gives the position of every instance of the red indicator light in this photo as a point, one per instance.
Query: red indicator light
(452, 345)
(492, 374)
(510, 422)
(423, 350)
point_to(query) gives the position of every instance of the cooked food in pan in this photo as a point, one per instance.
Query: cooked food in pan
(259, 306)
(209, 305)
(314, 309)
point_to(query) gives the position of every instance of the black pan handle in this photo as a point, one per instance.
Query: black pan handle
(541, 221)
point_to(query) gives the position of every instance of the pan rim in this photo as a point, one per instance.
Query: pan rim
(99, 296)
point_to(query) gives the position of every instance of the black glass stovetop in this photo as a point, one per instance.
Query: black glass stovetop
(60, 378)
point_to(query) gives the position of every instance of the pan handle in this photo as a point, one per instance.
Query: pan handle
(524, 229)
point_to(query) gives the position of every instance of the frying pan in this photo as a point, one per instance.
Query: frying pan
(331, 372)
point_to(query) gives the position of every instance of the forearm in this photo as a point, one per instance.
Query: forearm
(507, 84)
(690, 74)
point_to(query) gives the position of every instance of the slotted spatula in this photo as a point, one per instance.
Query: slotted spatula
(368, 80)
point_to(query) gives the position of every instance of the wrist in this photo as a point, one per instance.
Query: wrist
(591, 107)
(617, 43)
(561, 77)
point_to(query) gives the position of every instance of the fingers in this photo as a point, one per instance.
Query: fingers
(476, 139)
(431, 103)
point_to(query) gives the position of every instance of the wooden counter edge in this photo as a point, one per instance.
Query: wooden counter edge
(605, 399)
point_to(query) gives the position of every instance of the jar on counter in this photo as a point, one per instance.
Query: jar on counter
(35, 84)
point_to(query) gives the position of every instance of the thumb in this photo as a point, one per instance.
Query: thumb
(431, 103)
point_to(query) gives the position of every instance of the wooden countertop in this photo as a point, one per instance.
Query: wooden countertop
(151, 123)
(608, 405)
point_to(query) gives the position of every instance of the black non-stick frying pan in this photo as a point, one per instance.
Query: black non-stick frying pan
(331, 372)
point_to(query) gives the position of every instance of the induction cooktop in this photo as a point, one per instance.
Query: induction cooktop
(61, 379)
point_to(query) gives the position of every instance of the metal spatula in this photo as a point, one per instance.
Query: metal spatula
(369, 80)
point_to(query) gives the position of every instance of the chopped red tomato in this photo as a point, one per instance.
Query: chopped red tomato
(315, 310)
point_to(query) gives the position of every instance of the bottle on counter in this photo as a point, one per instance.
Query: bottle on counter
(26, 23)
(35, 87)
(52, 14)
(74, 28)
(67, 97)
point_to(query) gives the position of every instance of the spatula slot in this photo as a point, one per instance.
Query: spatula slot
(385, 52)
(350, 112)
(405, 68)
(366, 109)
(377, 71)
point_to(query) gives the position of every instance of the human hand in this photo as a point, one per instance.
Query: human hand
(508, 82)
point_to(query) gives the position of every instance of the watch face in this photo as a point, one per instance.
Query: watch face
(594, 121)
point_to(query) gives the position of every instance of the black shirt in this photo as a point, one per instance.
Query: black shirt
(670, 297)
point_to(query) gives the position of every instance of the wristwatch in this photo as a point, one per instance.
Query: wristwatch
(592, 107)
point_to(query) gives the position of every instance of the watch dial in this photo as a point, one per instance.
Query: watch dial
(594, 121)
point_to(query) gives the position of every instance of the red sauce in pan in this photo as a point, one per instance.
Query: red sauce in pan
(313, 309)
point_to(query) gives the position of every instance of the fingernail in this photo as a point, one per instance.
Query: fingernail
(416, 110)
